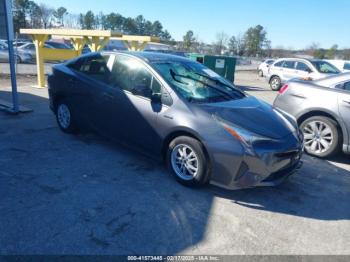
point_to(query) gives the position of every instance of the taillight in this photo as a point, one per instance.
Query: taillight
(283, 89)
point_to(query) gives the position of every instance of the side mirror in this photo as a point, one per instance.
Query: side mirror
(309, 70)
(156, 98)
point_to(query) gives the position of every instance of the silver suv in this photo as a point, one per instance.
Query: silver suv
(285, 69)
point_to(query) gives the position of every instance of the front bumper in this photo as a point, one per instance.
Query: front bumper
(268, 166)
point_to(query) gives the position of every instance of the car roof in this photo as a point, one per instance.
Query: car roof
(152, 57)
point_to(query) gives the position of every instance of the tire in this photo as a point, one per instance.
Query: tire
(65, 117)
(260, 73)
(18, 59)
(275, 83)
(198, 160)
(322, 136)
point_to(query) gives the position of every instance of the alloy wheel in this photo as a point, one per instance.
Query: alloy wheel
(275, 83)
(63, 116)
(184, 161)
(318, 137)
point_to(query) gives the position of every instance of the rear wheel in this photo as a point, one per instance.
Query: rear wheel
(18, 59)
(187, 161)
(275, 83)
(65, 117)
(321, 136)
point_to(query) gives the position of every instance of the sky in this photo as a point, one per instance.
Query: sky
(289, 23)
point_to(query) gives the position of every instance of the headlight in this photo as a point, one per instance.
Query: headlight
(247, 138)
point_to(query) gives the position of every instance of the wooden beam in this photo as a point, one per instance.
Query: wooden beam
(70, 32)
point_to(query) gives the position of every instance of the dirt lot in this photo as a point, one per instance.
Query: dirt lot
(62, 194)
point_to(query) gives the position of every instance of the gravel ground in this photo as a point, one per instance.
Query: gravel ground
(62, 194)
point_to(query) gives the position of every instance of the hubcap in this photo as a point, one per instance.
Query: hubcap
(63, 115)
(275, 83)
(318, 137)
(184, 162)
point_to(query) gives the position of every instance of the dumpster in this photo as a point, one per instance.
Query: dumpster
(222, 65)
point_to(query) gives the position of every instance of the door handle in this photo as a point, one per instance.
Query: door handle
(299, 95)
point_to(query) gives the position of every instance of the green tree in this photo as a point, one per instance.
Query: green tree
(189, 40)
(129, 26)
(20, 9)
(166, 36)
(88, 20)
(330, 54)
(255, 38)
(34, 14)
(232, 45)
(59, 14)
(140, 23)
(114, 22)
(157, 28)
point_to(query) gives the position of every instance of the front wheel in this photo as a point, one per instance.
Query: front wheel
(321, 136)
(187, 161)
(275, 83)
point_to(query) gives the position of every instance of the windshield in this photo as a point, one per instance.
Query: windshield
(325, 67)
(197, 83)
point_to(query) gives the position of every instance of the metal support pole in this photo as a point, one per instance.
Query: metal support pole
(9, 32)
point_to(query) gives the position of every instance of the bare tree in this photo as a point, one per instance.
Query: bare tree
(221, 42)
(71, 21)
(46, 15)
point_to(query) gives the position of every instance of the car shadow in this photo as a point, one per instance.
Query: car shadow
(319, 191)
(64, 194)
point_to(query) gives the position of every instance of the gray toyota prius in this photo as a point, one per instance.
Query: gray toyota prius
(201, 125)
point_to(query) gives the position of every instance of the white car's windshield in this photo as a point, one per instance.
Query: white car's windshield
(325, 67)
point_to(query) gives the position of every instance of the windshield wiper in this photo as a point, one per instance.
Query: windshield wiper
(218, 81)
(173, 74)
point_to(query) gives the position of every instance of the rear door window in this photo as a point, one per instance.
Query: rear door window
(94, 67)
(278, 64)
(346, 66)
(347, 86)
(302, 67)
(289, 64)
(131, 75)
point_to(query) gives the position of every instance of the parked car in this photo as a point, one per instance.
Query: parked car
(57, 45)
(322, 110)
(177, 109)
(342, 65)
(263, 68)
(20, 56)
(30, 48)
(286, 69)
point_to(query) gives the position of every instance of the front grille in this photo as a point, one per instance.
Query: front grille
(281, 173)
(292, 153)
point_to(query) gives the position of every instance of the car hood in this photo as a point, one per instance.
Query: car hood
(253, 115)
